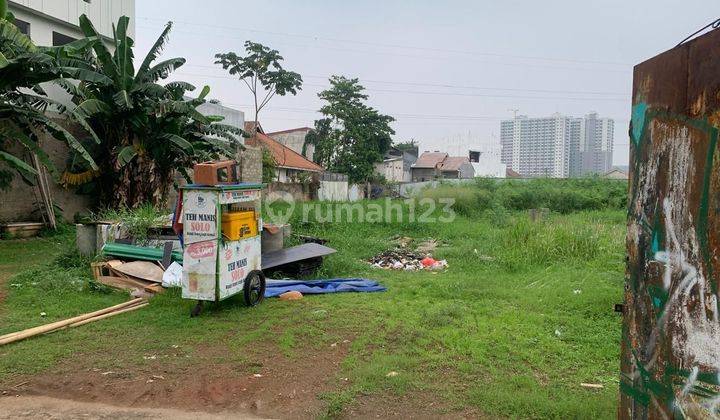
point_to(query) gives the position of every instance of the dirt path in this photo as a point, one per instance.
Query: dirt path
(56, 409)
(279, 388)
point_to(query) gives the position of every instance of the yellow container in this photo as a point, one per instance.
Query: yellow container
(239, 225)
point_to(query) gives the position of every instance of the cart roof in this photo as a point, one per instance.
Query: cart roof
(224, 187)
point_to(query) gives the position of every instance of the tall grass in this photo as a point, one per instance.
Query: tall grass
(559, 195)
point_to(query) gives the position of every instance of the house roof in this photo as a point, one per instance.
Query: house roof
(453, 163)
(284, 156)
(290, 131)
(509, 173)
(430, 160)
(616, 174)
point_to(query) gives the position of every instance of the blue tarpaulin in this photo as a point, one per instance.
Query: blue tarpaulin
(313, 287)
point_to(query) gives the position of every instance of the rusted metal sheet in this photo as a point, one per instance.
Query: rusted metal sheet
(671, 333)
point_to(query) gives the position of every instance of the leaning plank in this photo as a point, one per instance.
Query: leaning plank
(30, 332)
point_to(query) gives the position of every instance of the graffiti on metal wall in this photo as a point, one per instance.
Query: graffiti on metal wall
(671, 332)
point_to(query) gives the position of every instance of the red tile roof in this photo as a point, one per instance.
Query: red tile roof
(284, 156)
(453, 163)
(430, 160)
(509, 173)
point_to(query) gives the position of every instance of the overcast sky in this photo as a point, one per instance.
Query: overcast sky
(449, 71)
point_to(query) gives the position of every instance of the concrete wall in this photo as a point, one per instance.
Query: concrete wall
(251, 164)
(393, 170)
(423, 174)
(295, 140)
(467, 170)
(46, 16)
(232, 116)
(299, 192)
(333, 191)
(18, 203)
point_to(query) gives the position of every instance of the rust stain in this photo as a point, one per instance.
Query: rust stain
(697, 108)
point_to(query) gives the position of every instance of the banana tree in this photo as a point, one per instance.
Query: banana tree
(24, 105)
(148, 131)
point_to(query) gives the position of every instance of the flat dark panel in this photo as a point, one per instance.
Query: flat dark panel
(23, 26)
(294, 254)
(61, 39)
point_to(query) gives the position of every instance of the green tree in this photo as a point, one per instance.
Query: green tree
(148, 130)
(352, 136)
(261, 70)
(24, 69)
(407, 146)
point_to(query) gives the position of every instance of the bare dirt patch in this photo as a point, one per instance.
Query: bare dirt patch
(271, 385)
(416, 405)
(56, 409)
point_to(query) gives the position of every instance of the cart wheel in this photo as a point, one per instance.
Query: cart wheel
(254, 288)
(197, 309)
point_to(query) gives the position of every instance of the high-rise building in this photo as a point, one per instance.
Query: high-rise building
(558, 146)
(56, 22)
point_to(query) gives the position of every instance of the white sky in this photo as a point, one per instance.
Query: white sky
(447, 71)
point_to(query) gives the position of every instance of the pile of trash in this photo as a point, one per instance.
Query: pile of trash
(404, 259)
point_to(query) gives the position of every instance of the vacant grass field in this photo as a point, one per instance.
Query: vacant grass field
(521, 318)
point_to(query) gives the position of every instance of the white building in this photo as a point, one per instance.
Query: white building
(487, 162)
(55, 22)
(558, 146)
(596, 144)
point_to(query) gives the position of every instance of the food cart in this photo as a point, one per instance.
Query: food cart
(222, 247)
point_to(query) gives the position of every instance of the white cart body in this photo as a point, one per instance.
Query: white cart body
(215, 268)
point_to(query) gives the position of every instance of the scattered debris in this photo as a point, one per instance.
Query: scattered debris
(404, 259)
(592, 386)
(257, 375)
(172, 276)
(558, 333)
(392, 374)
(577, 291)
(43, 314)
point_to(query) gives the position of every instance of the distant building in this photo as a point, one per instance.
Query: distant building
(558, 146)
(439, 165)
(616, 174)
(56, 22)
(290, 165)
(487, 163)
(396, 166)
(596, 145)
(231, 116)
(509, 173)
(296, 140)
(427, 167)
(456, 167)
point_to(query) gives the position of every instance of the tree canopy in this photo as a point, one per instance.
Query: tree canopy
(261, 70)
(148, 130)
(352, 136)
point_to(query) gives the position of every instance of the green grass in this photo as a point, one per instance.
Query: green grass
(523, 315)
